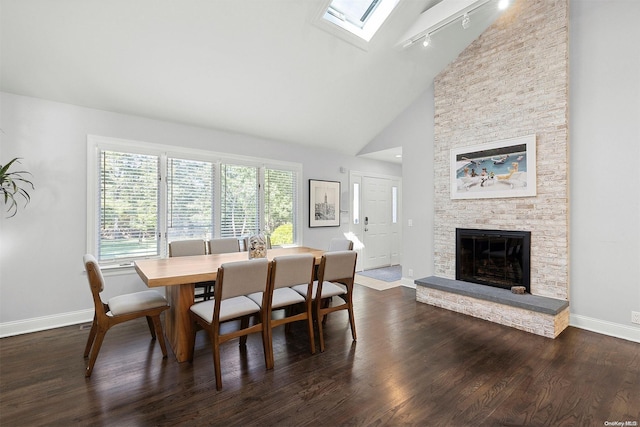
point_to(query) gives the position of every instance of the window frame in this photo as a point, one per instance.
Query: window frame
(352, 33)
(96, 144)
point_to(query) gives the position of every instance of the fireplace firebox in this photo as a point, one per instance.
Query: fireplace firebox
(493, 257)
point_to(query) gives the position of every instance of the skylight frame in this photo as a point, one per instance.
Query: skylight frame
(381, 10)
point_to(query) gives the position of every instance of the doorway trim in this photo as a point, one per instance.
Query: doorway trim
(355, 213)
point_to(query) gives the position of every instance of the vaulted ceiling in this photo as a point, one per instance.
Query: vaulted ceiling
(258, 67)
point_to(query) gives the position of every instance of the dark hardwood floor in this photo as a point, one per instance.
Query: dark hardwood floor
(413, 364)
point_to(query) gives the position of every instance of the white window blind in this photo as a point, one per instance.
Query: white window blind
(239, 200)
(189, 199)
(128, 205)
(280, 206)
(142, 196)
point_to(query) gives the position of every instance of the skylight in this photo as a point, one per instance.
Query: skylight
(360, 17)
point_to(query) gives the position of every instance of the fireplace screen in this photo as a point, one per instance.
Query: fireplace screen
(493, 257)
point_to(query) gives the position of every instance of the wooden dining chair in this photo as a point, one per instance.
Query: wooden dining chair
(286, 272)
(234, 281)
(191, 247)
(340, 244)
(120, 309)
(224, 245)
(335, 278)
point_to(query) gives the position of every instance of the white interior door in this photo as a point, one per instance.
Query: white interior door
(376, 214)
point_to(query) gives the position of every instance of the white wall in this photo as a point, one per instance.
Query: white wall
(604, 113)
(413, 130)
(42, 281)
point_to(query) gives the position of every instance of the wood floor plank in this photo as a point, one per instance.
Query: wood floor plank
(413, 364)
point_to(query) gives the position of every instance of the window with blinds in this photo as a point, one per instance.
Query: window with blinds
(239, 200)
(280, 206)
(140, 198)
(189, 199)
(128, 205)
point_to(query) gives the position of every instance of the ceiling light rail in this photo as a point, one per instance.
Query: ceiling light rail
(439, 16)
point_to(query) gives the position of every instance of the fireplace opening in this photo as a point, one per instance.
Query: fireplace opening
(493, 257)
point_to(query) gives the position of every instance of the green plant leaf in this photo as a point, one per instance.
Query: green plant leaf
(12, 185)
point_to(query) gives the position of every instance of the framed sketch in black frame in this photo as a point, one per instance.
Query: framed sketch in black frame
(324, 203)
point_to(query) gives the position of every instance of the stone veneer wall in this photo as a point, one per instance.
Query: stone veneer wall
(512, 81)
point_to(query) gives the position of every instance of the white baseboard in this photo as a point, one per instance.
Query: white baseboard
(36, 324)
(617, 330)
(408, 282)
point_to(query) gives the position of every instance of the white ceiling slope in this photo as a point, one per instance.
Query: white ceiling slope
(256, 67)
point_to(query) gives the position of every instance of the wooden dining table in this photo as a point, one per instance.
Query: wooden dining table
(179, 274)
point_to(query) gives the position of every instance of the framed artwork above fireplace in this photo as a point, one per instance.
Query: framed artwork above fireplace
(499, 169)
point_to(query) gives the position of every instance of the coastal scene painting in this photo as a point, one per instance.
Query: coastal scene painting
(505, 168)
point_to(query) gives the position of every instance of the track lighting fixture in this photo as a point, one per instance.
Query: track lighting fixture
(444, 13)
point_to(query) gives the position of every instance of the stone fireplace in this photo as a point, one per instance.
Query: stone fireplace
(510, 82)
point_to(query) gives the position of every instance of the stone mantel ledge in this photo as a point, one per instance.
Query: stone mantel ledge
(529, 302)
(543, 316)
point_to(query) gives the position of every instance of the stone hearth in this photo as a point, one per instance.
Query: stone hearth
(535, 314)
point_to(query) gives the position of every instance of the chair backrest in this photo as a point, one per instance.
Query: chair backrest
(96, 281)
(224, 245)
(339, 244)
(242, 278)
(292, 270)
(338, 265)
(187, 247)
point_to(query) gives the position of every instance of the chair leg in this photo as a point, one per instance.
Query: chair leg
(267, 345)
(287, 313)
(216, 360)
(244, 324)
(320, 331)
(100, 333)
(157, 327)
(152, 329)
(312, 338)
(325, 304)
(92, 336)
(352, 321)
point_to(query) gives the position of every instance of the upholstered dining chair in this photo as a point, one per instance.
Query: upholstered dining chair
(224, 245)
(234, 281)
(335, 278)
(190, 247)
(340, 244)
(120, 309)
(288, 271)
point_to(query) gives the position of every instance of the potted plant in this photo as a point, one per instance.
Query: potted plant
(13, 186)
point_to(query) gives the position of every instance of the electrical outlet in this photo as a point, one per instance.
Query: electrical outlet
(635, 317)
(410, 272)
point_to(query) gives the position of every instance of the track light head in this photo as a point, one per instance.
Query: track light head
(503, 4)
(427, 40)
(466, 21)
